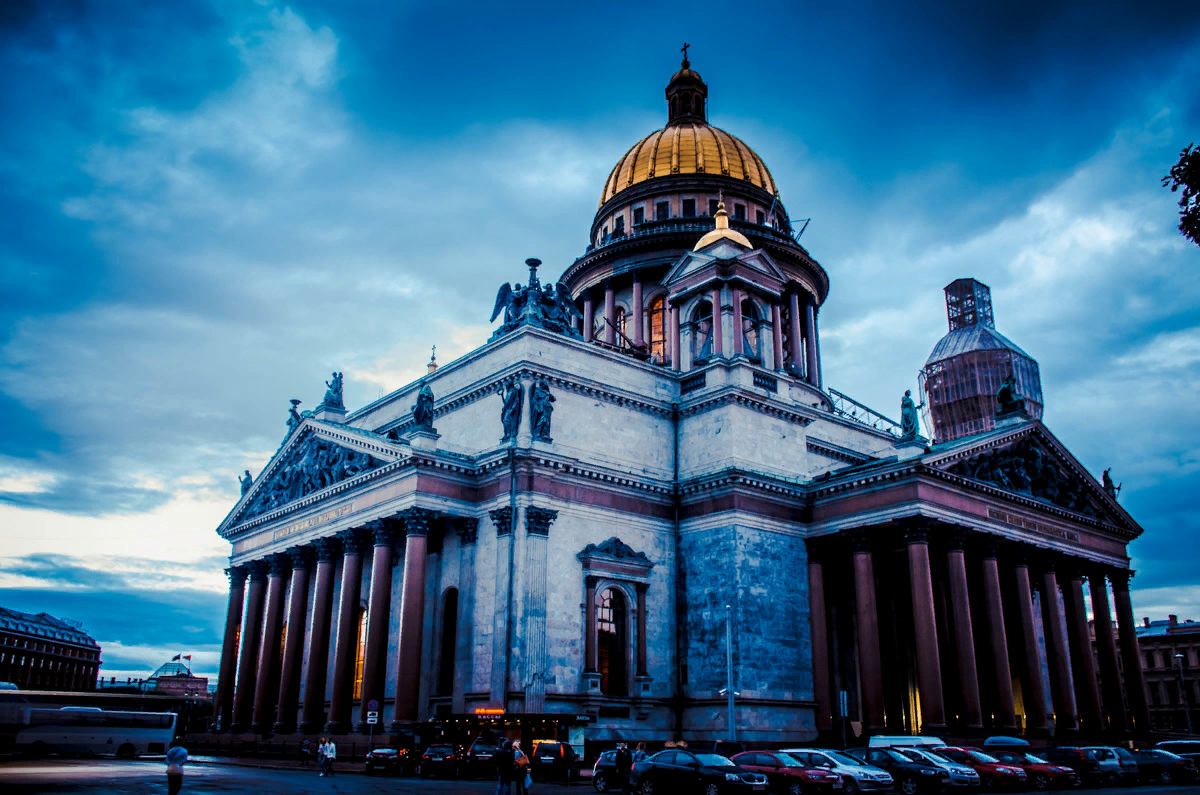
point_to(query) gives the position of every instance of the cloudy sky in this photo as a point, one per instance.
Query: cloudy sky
(207, 206)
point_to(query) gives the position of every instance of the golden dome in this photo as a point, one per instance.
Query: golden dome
(722, 231)
(688, 147)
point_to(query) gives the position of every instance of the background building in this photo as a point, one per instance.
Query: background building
(1171, 660)
(41, 652)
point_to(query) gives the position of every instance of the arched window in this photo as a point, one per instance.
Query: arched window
(702, 332)
(657, 315)
(751, 336)
(622, 323)
(445, 681)
(360, 654)
(612, 643)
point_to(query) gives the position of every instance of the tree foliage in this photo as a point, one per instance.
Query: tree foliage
(1186, 174)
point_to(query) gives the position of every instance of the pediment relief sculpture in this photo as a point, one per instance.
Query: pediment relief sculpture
(312, 465)
(616, 551)
(1028, 468)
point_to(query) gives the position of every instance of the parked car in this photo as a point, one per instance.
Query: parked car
(959, 776)
(1129, 766)
(1155, 764)
(993, 773)
(856, 775)
(388, 762)
(1041, 773)
(1093, 766)
(1188, 749)
(678, 770)
(898, 740)
(603, 771)
(788, 775)
(554, 761)
(910, 776)
(440, 760)
(480, 761)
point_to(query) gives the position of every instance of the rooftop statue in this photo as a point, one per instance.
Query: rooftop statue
(1112, 489)
(333, 395)
(548, 306)
(910, 425)
(513, 395)
(541, 407)
(1009, 399)
(423, 408)
(294, 418)
(246, 482)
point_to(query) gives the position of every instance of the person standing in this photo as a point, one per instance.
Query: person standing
(176, 757)
(504, 769)
(330, 755)
(305, 752)
(640, 753)
(322, 761)
(520, 768)
(623, 761)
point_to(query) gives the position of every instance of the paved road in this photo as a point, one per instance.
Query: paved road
(145, 777)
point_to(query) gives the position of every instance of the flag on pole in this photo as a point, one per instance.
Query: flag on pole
(176, 657)
(187, 657)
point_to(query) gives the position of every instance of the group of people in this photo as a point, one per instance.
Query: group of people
(512, 769)
(625, 760)
(326, 754)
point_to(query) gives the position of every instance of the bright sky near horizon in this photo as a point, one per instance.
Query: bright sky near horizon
(208, 205)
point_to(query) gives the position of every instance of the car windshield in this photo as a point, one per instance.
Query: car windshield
(844, 759)
(789, 761)
(982, 757)
(1037, 760)
(896, 756)
(713, 760)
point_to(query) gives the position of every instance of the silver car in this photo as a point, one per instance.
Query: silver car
(961, 776)
(856, 775)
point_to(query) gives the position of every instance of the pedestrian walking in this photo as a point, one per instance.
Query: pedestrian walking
(330, 756)
(176, 757)
(504, 769)
(322, 762)
(521, 777)
(623, 760)
(305, 752)
(640, 753)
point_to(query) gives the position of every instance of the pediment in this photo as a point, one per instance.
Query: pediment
(1031, 462)
(316, 457)
(615, 556)
(721, 252)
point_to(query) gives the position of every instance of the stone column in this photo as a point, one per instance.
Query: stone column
(293, 644)
(869, 663)
(1066, 713)
(929, 666)
(1110, 678)
(268, 654)
(638, 335)
(610, 314)
(777, 336)
(591, 663)
(588, 320)
(718, 330)
(229, 649)
(1005, 711)
(673, 337)
(1135, 679)
(313, 716)
(1034, 690)
(964, 635)
(379, 604)
(822, 693)
(1087, 686)
(504, 521)
(535, 658)
(468, 534)
(243, 703)
(813, 370)
(641, 629)
(794, 331)
(412, 614)
(739, 338)
(346, 642)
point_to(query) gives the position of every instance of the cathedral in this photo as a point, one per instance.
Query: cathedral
(557, 526)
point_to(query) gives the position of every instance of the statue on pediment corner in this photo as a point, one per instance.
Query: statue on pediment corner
(910, 423)
(294, 418)
(1111, 489)
(246, 482)
(333, 393)
(548, 306)
(423, 409)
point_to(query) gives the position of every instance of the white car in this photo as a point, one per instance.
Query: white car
(856, 776)
(960, 775)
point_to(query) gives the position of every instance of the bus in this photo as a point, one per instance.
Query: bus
(91, 731)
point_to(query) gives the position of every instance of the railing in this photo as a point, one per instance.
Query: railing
(701, 224)
(767, 382)
(851, 409)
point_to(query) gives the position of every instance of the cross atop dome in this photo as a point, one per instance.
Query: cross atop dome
(687, 95)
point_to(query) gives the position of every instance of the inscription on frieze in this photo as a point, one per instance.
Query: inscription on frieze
(1014, 520)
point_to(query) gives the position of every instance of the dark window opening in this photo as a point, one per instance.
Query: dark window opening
(689, 208)
(712, 206)
(760, 217)
(619, 226)
(658, 329)
(739, 212)
(662, 211)
(702, 332)
(445, 685)
(611, 642)
(751, 338)
(639, 215)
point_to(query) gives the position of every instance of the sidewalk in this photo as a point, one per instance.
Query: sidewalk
(274, 764)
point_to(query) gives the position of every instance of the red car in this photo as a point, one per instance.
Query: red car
(1041, 774)
(992, 772)
(788, 775)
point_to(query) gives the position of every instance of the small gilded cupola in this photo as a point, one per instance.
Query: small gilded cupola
(687, 95)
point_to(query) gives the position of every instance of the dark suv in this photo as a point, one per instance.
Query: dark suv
(480, 761)
(911, 777)
(554, 761)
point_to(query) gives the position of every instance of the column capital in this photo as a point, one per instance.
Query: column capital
(502, 518)
(815, 548)
(538, 520)
(257, 570)
(236, 575)
(326, 549)
(417, 521)
(1120, 578)
(278, 564)
(860, 541)
(990, 544)
(641, 588)
(591, 581)
(467, 528)
(957, 538)
(301, 557)
(352, 539)
(382, 532)
(916, 534)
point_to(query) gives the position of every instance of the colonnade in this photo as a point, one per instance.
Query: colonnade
(261, 665)
(963, 598)
(801, 355)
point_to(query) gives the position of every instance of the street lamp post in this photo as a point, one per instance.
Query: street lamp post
(1183, 695)
(729, 672)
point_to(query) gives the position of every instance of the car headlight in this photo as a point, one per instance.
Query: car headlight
(927, 771)
(1006, 771)
(732, 777)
